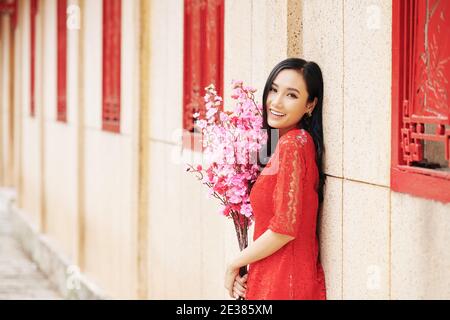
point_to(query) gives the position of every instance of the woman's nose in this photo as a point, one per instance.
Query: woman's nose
(276, 101)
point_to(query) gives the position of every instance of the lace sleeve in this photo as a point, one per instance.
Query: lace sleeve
(287, 196)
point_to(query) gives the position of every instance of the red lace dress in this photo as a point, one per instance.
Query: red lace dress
(284, 199)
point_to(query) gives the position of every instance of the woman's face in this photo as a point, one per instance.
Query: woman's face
(288, 100)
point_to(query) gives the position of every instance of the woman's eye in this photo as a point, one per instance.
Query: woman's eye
(290, 94)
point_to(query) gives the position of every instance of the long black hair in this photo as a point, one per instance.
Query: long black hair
(314, 84)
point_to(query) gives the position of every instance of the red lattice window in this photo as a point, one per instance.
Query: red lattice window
(33, 13)
(111, 65)
(421, 98)
(203, 60)
(61, 61)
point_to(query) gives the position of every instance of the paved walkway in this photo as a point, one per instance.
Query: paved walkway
(19, 276)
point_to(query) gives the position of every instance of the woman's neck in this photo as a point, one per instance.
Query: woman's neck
(283, 131)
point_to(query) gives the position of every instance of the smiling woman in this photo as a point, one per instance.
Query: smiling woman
(284, 257)
(287, 105)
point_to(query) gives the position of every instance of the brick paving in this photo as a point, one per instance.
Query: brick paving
(19, 276)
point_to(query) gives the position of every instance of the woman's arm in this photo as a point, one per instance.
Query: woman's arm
(268, 243)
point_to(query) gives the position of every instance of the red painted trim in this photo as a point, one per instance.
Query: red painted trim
(419, 182)
(186, 59)
(396, 85)
(61, 103)
(112, 10)
(11, 9)
(15, 15)
(222, 48)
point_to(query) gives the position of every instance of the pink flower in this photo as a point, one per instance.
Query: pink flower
(235, 94)
(225, 211)
(230, 140)
(201, 124)
(251, 89)
(210, 176)
(223, 117)
(236, 83)
(211, 112)
(246, 210)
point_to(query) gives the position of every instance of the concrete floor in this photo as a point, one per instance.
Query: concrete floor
(19, 276)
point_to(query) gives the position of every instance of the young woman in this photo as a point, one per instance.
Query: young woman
(284, 257)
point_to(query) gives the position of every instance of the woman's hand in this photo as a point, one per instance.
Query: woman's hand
(230, 276)
(240, 286)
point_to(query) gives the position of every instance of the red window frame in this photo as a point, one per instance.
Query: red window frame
(203, 61)
(407, 122)
(112, 12)
(33, 13)
(61, 103)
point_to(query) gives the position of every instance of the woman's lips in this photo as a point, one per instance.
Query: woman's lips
(276, 114)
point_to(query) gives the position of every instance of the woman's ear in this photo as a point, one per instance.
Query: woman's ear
(310, 106)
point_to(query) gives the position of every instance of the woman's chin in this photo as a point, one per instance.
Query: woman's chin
(274, 124)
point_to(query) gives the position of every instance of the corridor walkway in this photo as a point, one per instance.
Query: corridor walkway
(19, 276)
